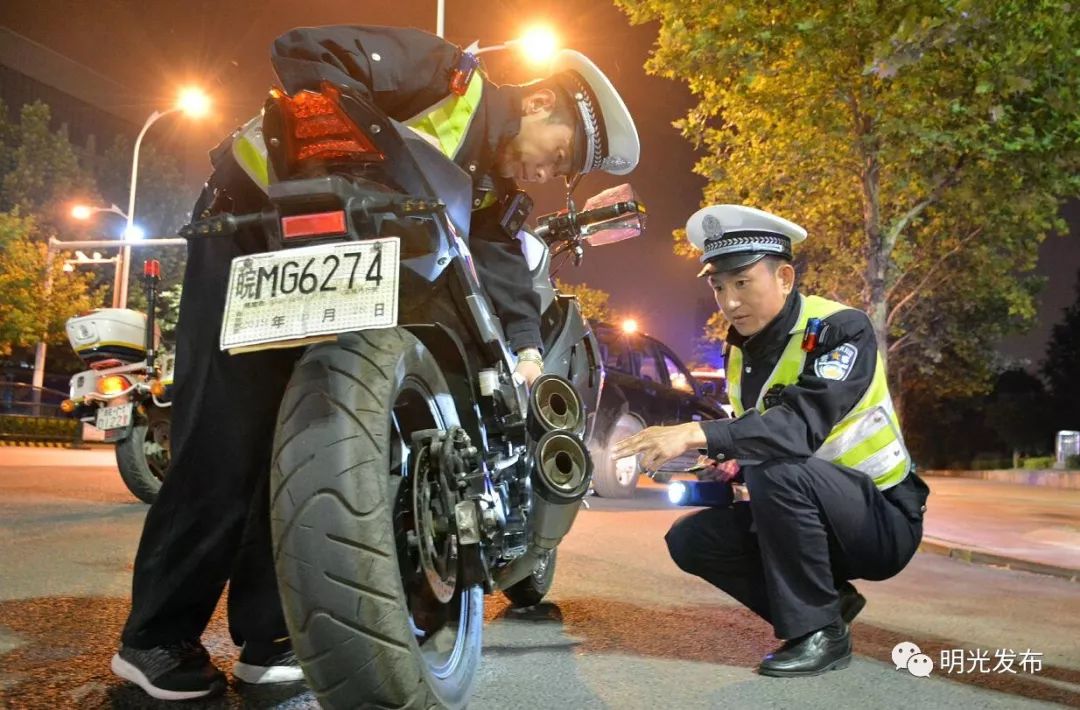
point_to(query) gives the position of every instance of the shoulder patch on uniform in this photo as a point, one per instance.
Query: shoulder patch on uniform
(837, 363)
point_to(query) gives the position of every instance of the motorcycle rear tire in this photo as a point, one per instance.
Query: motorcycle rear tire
(337, 546)
(532, 590)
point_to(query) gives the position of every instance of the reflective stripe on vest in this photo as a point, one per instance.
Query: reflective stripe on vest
(249, 151)
(868, 438)
(446, 123)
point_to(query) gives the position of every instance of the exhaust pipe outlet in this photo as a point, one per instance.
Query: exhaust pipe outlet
(555, 404)
(560, 478)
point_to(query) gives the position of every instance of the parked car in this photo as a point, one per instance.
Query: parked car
(646, 384)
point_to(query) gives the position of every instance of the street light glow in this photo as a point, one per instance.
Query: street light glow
(194, 102)
(538, 44)
(134, 233)
(629, 326)
(81, 212)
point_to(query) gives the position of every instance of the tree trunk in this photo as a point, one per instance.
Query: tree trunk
(877, 262)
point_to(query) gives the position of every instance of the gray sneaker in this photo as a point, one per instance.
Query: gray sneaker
(179, 671)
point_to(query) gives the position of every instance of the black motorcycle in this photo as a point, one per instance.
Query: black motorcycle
(412, 472)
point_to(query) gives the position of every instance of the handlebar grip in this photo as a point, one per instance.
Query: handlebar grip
(602, 214)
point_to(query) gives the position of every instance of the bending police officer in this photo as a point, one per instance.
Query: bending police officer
(210, 523)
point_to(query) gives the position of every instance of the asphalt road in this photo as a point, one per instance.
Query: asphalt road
(623, 628)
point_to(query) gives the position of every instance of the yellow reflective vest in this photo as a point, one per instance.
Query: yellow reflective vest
(868, 438)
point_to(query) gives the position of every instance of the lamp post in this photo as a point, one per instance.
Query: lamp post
(195, 104)
(84, 212)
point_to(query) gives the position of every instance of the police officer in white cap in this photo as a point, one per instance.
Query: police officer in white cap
(194, 540)
(832, 492)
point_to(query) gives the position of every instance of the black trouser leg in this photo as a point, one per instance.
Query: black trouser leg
(222, 430)
(255, 612)
(716, 544)
(817, 522)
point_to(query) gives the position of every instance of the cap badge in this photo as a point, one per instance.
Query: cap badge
(711, 226)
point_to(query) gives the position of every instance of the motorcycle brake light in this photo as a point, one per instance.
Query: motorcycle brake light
(317, 128)
(112, 384)
(309, 225)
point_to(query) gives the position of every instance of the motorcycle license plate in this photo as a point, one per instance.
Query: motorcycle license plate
(321, 290)
(117, 417)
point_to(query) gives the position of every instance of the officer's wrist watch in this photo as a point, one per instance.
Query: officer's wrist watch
(530, 355)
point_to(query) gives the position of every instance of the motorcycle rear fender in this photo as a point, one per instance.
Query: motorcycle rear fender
(450, 354)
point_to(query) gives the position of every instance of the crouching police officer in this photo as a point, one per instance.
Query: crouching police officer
(832, 492)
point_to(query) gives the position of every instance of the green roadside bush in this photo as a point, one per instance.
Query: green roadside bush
(26, 428)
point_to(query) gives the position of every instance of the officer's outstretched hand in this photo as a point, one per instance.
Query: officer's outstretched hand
(658, 444)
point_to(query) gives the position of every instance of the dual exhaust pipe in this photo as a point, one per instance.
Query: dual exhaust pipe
(561, 470)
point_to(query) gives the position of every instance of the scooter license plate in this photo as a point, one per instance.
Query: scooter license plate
(289, 295)
(117, 417)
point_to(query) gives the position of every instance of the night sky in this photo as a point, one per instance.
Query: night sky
(153, 46)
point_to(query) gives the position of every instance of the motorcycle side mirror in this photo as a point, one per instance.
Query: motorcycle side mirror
(625, 225)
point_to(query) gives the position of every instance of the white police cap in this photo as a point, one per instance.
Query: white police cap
(731, 237)
(610, 140)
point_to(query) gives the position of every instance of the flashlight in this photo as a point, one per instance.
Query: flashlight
(706, 494)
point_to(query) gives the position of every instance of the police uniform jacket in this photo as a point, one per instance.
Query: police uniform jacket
(800, 416)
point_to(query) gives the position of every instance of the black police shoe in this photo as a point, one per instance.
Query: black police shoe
(851, 602)
(827, 649)
(180, 671)
(268, 662)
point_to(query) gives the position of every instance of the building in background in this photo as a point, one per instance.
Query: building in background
(93, 108)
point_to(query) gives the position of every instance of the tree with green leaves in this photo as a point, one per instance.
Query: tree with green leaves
(36, 295)
(1017, 412)
(925, 145)
(593, 302)
(40, 178)
(42, 172)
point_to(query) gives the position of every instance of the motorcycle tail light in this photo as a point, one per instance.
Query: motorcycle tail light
(112, 384)
(317, 129)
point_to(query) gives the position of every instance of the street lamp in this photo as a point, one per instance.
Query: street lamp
(538, 45)
(629, 326)
(195, 104)
(85, 212)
